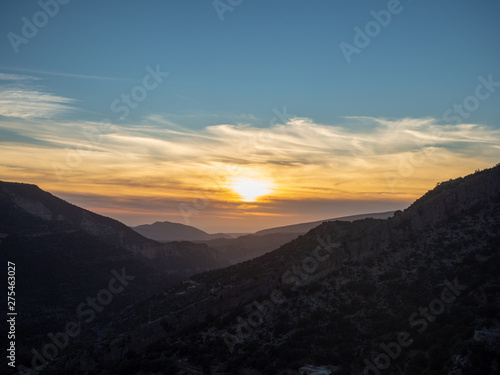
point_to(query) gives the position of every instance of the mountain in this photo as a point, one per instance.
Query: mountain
(246, 247)
(306, 227)
(29, 213)
(61, 255)
(238, 247)
(417, 293)
(74, 266)
(236, 250)
(166, 231)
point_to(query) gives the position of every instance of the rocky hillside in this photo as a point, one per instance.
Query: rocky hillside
(66, 258)
(29, 212)
(237, 250)
(404, 295)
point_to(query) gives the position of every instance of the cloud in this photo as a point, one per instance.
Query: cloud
(9, 136)
(61, 74)
(20, 98)
(301, 141)
(16, 77)
(160, 163)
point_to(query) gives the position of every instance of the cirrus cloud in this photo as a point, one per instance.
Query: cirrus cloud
(20, 98)
(369, 162)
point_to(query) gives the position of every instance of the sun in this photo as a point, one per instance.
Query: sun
(250, 189)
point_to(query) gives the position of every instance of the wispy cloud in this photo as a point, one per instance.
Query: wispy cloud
(64, 74)
(21, 98)
(160, 161)
(302, 141)
(16, 77)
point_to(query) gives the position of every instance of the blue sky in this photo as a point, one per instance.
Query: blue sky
(264, 54)
(262, 58)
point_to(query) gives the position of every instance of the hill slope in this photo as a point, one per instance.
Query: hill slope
(243, 248)
(303, 228)
(250, 246)
(64, 256)
(29, 212)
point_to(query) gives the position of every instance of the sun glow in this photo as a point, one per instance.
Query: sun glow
(250, 189)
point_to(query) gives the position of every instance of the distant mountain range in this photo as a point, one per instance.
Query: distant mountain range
(238, 247)
(306, 227)
(250, 246)
(166, 231)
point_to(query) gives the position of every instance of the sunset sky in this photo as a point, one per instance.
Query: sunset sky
(235, 116)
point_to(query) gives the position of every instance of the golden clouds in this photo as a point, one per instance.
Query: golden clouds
(300, 160)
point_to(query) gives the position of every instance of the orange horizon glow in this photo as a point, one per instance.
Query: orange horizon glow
(250, 189)
(217, 180)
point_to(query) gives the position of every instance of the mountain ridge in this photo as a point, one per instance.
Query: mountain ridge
(244, 246)
(29, 211)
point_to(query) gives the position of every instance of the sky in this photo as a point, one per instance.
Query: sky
(238, 115)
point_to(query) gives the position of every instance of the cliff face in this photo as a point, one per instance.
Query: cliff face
(449, 199)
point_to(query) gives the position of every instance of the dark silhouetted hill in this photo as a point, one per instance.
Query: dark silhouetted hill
(29, 212)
